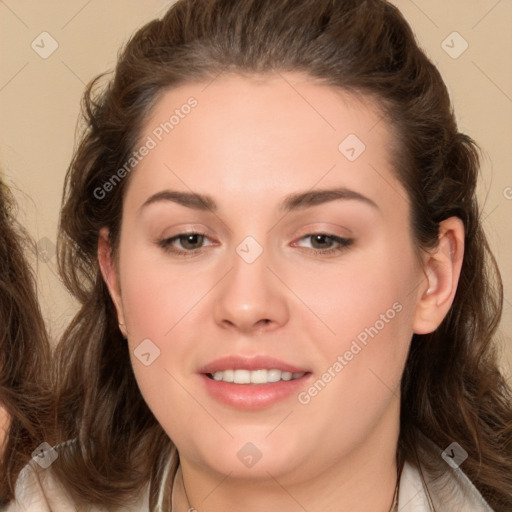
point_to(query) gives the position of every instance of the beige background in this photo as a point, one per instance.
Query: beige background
(40, 98)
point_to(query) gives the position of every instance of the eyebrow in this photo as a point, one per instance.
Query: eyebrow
(316, 197)
(292, 202)
(188, 199)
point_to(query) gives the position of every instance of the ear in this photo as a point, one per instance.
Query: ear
(442, 268)
(110, 276)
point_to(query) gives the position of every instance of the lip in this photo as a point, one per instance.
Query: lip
(252, 396)
(249, 363)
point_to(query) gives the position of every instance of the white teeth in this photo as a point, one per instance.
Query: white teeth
(274, 375)
(242, 377)
(228, 376)
(255, 376)
(259, 376)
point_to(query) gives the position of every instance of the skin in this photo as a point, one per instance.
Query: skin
(4, 427)
(248, 144)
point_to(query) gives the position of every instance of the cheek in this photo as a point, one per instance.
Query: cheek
(367, 310)
(161, 307)
(370, 307)
(156, 295)
(368, 295)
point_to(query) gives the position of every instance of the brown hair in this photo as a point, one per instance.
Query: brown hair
(451, 390)
(24, 351)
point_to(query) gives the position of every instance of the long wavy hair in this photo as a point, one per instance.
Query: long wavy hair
(24, 350)
(451, 390)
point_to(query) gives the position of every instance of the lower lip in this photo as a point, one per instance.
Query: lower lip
(253, 396)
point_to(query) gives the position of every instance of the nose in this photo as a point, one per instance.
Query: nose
(251, 298)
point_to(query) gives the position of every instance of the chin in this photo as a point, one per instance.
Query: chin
(245, 459)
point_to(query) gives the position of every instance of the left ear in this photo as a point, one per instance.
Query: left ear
(442, 268)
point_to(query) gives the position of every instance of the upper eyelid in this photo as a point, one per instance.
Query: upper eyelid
(184, 232)
(312, 229)
(308, 230)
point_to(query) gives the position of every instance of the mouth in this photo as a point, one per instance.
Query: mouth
(253, 382)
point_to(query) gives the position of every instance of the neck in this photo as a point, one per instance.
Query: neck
(365, 479)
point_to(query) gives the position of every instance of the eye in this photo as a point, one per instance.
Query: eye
(187, 244)
(323, 243)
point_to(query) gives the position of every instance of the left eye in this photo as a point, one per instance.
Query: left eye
(324, 243)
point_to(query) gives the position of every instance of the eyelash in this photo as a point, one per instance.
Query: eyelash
(343, 243)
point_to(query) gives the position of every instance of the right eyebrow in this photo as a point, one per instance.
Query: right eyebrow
(188, 199)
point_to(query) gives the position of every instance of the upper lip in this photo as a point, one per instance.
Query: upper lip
(249, 363)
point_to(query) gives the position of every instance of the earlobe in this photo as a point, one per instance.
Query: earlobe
(110, 276)
(442, 268)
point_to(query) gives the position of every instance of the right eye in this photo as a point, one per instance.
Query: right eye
(184, 244)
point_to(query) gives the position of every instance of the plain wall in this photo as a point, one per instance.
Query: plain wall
(40, 100)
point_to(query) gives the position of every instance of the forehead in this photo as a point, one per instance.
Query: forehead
(264, 133)
(264, 105)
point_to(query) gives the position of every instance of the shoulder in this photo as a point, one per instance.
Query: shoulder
(39, 490)
(451, 491)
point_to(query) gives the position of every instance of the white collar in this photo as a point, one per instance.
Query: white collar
(453, 492)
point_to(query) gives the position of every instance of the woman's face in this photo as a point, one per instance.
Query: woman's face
(264, 229)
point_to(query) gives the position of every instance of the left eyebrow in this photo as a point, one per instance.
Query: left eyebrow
(316, 197)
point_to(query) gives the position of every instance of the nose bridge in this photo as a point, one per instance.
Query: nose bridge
(250, 295)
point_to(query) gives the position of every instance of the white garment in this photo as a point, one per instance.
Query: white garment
(38, 491)
(455, 493)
